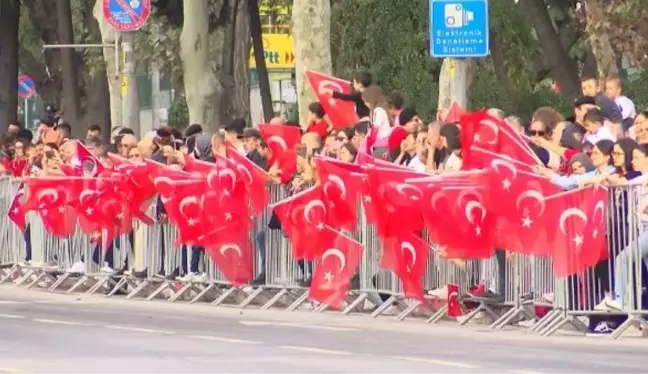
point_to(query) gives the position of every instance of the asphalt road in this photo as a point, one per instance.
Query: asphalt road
(42, 332)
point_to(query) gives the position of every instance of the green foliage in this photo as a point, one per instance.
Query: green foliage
(179, 113)
(389, 38)
(637, 90)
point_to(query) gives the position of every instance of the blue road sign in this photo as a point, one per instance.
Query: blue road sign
(459, 28)
(126, 15)
(26, 87)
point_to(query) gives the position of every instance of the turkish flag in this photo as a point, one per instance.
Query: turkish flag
(341, 192)
(51, 197)
(16, 213)
(229, 247)
(140, 188)
(280, 139)
(407, 256)
(578, 242)
(334, 268)
(517, 198)
(462, 223)
(253, 178)
(85, 161)
(342, 113)
(492, 134)
(303, 220)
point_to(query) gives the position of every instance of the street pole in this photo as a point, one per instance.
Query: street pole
(155, 93)
(130, 103)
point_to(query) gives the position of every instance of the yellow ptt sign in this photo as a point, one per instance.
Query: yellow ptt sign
(278, 51)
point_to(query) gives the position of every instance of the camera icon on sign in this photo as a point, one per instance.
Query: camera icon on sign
(456, 16)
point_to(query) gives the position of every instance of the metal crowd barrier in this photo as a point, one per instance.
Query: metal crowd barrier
(524, 283)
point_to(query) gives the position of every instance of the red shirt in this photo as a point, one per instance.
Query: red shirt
(397, 135)
(319, 127)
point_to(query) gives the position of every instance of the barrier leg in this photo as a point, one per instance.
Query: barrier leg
(121, 283)
(163, 287)
(9, 274)
(224, 296)
(632, 320)
(78, 284)
(382, 307)
(274, 299)
(181, 291)
(258, 291)
(436, 317)
(62, 278)
(409, 310)
(297, 303)
(481, 308)
(100, 283)
(22, 279)
(202, 293)
(360, 299)
(546, 320)
(138, 289)
(40, 276)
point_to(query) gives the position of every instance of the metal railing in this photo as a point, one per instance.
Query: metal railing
(525, 284)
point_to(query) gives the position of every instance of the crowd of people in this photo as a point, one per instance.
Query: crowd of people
(604, 141)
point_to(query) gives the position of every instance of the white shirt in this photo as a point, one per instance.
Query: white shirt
(453, 163)
(603, 132)
(627, 107)
(416, 164)
(643, 197)
(380, 120)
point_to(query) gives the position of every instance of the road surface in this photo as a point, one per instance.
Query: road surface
(44, 333)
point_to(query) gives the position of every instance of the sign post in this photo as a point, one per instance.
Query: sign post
(26, 90)
(458, 32)
(126, 17)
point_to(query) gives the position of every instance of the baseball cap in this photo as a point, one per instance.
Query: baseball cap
(237, 125)
(252, 133)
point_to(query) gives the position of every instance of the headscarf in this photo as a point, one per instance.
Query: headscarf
(203, 148)
(584, 160)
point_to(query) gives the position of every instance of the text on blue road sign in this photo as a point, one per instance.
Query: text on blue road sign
(459, 28)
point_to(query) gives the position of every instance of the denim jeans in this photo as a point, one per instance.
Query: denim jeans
(108, 258)
(196, 253)
(624, 260)
(260, 239)
(500, 257)
(28, 246)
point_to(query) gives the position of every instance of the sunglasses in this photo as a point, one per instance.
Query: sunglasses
(536, 133)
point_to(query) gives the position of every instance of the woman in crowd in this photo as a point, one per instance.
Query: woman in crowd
(601, 159)
(580, 164)
(347, 153)
(375, 101)
(622, 155)
(541, 136)
(638, 250)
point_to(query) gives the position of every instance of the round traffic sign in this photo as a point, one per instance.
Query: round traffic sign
(26, 87)
(126, 15)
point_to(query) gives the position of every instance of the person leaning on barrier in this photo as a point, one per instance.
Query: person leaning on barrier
(631, 253)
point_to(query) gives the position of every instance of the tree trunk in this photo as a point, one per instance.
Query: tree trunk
(606, 61)
(259, 59)
(108, 36)
(44, 67)
(71, 102)
(234, 70)
(455, 79)
(563, 69)
(9, 19)
(202, 88)
(311, 30)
